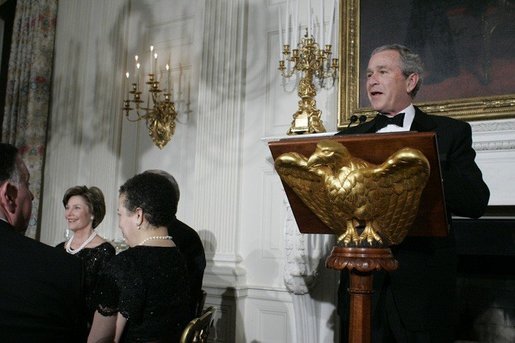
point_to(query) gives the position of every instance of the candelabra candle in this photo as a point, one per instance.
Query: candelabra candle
(321, 28)
(310, 29)
(155, 62)
(167, 78)
(312, 61)
(280, 36)
(136, 68)
(128, 84)
(137, 75)
(331, 22)
(151, 53)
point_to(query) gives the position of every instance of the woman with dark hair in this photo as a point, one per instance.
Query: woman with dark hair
(142, 294)
(84, 209)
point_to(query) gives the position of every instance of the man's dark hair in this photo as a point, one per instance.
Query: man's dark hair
(8, 168)
(152, 193)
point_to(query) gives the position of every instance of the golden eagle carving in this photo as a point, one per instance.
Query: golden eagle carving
(364, 204)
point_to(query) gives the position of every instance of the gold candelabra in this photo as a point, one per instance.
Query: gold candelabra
(312, 61)
(159, 112)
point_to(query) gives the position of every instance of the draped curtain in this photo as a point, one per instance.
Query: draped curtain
(28, 90)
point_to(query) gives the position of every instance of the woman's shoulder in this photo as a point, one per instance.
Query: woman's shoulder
(106, 247)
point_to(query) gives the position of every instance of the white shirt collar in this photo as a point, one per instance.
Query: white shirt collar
(409, 115)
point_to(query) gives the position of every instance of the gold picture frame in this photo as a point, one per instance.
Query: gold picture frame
(469, 108)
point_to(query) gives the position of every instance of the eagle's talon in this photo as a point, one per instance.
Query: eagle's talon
(370, 236)
(349, 236)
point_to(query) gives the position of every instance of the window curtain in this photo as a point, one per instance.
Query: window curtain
(28, 90)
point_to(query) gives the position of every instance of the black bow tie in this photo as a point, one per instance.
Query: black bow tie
(382, 120)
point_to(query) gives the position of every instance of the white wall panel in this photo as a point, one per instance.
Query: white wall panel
(494, 142)
(85, 116)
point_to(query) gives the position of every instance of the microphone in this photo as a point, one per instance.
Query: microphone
(353, 119)
(362, 119)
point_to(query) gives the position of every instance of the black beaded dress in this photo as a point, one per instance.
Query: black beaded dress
(149, 287)
(93, 260)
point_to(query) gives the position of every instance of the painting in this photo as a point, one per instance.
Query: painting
(467, 46)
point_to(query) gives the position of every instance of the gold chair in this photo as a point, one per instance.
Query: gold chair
(198, 328)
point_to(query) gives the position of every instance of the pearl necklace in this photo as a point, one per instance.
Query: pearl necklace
(69, 249)
(155, 238)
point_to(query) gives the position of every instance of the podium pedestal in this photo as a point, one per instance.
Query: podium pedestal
(361, 263)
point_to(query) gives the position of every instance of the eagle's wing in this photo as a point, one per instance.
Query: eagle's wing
(386, 197)
(309, 184)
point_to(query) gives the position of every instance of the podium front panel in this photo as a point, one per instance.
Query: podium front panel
(375, 148)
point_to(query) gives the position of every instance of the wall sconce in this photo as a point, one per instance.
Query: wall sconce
(159, 111)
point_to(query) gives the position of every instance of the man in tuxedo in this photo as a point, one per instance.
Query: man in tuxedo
(189, 244)
(416, 303)
(40, 287)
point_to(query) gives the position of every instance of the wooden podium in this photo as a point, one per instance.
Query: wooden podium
(361, 262)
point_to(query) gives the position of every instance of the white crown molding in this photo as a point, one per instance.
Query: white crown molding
(494, 135)
(493, 125)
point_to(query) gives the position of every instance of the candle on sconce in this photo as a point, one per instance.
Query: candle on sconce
(137, 75)
(310, 30)
(136, 71)
(151, 53)
(287, 21)
(331, 23)
(280, 37)
(321, 35)
(135, 63)
(156, 66)
(128, 82)
(296, 25)
(168, 88)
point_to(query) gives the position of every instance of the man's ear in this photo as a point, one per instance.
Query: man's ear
(412, 81)
(8, 195)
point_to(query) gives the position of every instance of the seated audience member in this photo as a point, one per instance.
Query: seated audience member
(142, 294)
(41, 287)
(189, 244)
(84, 209)
(416, 302)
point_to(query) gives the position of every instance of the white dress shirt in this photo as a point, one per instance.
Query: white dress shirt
(409, 115)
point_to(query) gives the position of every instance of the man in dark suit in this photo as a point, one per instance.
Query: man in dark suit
(40, 287)
(190, 245)
(416, 302)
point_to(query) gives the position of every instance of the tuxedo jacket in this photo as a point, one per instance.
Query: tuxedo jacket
(466, 194)
(423, 286)
(189, 244)
(41, 296)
